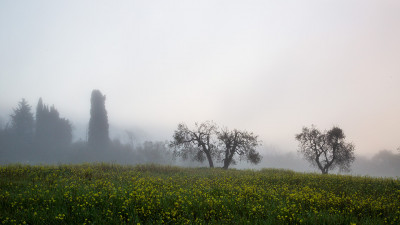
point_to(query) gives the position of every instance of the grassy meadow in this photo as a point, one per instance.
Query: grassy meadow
(151, 194)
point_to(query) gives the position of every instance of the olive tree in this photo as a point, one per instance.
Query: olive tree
(326, 150)
(205, 141)
(240, 143)
(197, 144)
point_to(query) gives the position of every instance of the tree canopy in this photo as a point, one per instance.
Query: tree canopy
(240, 143)
(196, 144)
(326, 150)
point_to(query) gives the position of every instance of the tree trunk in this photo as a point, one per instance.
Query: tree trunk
(325, 170)
(227, 161)
(320, 166)
(226, 164)
(210, 161)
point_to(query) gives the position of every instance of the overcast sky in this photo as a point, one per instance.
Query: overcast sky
(270, 67)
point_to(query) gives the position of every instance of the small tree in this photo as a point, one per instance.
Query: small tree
(98, 123)
(241, 143)
(326, 150)
(197, 144)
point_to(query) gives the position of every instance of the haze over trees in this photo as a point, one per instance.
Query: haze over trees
(205, 141)
(326, 150)
(47, 138)
(44, 136)
(53, 135)
(30, 139)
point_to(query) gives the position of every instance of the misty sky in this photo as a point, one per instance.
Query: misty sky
(270, 67)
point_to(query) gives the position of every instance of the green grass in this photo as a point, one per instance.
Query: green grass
(151, 194)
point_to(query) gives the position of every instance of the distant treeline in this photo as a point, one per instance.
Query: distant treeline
(47, 138)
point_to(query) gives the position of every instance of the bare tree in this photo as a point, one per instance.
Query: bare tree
(326, 150)
(241, 143)
(198, 144)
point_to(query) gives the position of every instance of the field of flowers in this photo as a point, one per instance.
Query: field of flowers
(150, 194)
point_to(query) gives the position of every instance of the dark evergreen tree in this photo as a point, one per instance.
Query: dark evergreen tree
(98, 124)
(40, 132)
(53, 134)
(20, 133)
(22, 122)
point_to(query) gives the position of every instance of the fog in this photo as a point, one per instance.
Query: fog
(133, 146)
(266, 67)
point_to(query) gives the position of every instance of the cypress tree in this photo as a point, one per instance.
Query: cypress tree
(98, 123)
